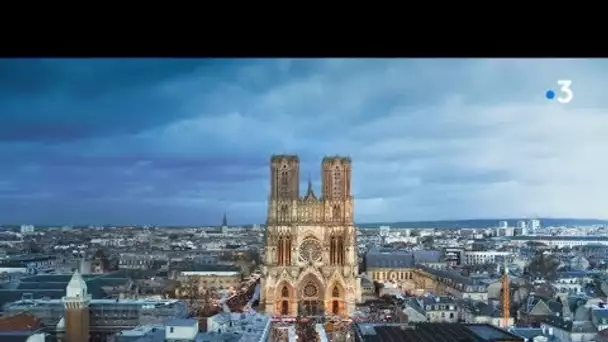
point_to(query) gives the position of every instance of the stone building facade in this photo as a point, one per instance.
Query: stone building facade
(310, 260)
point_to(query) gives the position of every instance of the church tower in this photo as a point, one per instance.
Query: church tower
(336, 190)
(284, 188)
(76, 302)
(310, 260)
(224, 221)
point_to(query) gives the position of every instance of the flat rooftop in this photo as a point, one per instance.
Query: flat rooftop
(435, 332)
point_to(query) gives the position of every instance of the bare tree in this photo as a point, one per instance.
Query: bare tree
(201, 301)
(544, 266)
(103, 258)
(427, 242)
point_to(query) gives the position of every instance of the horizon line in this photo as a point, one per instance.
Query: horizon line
(263, 224)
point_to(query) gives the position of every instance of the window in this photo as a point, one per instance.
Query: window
(171, 329)
(336, 212)
(284, 182)
(337, 182)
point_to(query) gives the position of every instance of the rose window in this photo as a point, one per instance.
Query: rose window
(310, 290)
(311, 250)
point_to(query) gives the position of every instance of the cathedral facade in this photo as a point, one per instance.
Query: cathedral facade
(310, 260)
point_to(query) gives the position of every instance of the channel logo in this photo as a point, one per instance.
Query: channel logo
(565, 93)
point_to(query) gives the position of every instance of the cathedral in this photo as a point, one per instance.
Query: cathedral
(310, 260)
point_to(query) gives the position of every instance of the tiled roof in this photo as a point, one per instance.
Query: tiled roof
(435, 332)
(528, 333)
(570, 326)
(399, 259)
(21, 322)
(448, 274)
(53, 286)
(603, 334)
(480, 308)
(9, 296)
(31, 285)
(558, 238)
(600, 313)
(15, 336)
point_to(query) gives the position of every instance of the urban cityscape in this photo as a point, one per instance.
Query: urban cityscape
(242, 242)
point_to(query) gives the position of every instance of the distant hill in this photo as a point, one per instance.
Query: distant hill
(485, 223)
(481, 223)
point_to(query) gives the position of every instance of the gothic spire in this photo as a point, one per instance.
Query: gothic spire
(310, 194)
(224, 221)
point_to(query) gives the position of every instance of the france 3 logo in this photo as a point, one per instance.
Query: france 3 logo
(565, 94)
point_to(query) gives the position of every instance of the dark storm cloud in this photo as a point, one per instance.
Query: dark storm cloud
(122, 173)
(202, 163)
(182, 141)
(104, 211)
(50, 132)
(57, 99)
(87, 78)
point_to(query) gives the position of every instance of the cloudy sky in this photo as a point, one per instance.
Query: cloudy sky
(182, 141)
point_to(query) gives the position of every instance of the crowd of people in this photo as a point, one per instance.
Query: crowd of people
(305, 331)
(238, 302)
(280, 332)
(339, 331)
(382, 310)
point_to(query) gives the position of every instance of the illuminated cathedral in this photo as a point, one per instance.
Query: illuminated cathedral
(310, 263)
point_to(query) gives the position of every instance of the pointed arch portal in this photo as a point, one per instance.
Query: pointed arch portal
(283, 299)
(336, 299)
(311, 294)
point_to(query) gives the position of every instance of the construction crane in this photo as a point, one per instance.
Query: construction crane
(506, 298)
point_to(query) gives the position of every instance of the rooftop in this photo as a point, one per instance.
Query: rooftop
(399, 259)
(142, 303)
(452, 275)
(435, 332)
(53, 286)
(181, 322)
(21, 322)
(558, 238)
(15, 336)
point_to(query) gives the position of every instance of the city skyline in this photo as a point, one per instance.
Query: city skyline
(182, 141)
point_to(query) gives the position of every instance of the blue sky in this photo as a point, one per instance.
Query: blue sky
(182, 141)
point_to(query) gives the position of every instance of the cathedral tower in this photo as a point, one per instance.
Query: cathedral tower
(284, 188)
(336, 190)
(76, 302)
(310, 261)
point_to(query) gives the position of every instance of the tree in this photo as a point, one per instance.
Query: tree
(427, 241)
(200, 300)
(536, 244)
(33, 247)
(170, 290)
(544, 266)
(100, 255)
(245, 266)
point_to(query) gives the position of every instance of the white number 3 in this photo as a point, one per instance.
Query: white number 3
(566, 90)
